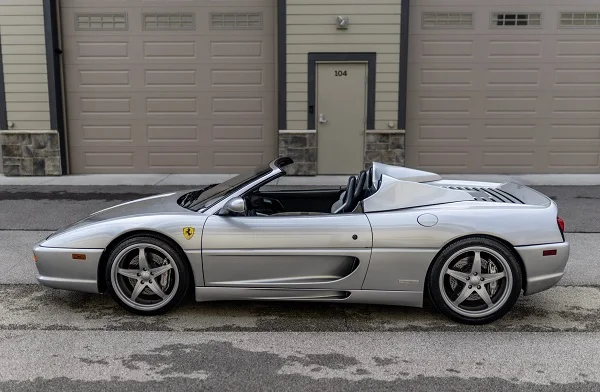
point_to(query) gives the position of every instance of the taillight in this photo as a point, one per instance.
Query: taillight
(561, 224)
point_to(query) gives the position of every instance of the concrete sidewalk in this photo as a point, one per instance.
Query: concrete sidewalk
(205, 179)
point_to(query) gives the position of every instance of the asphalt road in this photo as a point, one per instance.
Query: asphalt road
(57, 340)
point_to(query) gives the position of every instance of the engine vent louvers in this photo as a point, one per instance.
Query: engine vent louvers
(493, 195)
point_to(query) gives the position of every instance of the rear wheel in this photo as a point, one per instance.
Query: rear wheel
(145, 275)
(475, 280)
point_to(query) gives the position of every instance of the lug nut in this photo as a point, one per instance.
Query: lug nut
(150, 280)
(151, 273)
(138, 274)
(468, 278)
(482, 279)
(479, 287)
(470, 286)
(474, 273)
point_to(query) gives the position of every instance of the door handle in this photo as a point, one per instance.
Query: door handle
(322, 119)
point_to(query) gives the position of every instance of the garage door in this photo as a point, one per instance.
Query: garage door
(504, 89)
(169, 86)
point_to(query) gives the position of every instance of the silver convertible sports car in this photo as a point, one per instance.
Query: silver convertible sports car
(392, 236)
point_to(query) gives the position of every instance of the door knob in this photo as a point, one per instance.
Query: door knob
(322, 119)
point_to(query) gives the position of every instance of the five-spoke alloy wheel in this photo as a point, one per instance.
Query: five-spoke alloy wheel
(475, 280)
(146, 275)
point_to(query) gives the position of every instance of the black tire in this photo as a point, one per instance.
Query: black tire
(155, 248)
(474, 312)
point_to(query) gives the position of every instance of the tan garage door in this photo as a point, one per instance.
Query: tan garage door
(169, 86)
(504, 89)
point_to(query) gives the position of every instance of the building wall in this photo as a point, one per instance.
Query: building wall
(24, 59)
(374, 27)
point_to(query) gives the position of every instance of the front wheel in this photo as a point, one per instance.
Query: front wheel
(475, 280)
(145, 275)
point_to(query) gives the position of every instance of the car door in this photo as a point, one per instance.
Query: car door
(301, 252)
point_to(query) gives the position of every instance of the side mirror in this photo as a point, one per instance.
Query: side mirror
(237, 205)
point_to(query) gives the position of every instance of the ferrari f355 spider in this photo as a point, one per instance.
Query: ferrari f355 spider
(392, 236)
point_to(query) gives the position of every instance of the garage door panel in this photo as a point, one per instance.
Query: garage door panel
(444, 160)
(171, 77)
(485, 160)
(479, 132)
(576, 76)
(575, 132)
(103, 105)
(165, 50)
(441, 49)
(443, 76)
(511, 104)
(493, 99)
(161, 159)
(113, 132)
(580, 48)
(185, 105)
(574, 160)
(578, 104)
(438, 132)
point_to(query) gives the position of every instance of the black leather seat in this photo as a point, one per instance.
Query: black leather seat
(358, 192)
(346, 198)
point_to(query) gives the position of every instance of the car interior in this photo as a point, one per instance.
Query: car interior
(290, 202)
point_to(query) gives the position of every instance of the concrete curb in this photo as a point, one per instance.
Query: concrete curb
(205, 179)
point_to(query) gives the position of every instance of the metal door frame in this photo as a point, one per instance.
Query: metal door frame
(313, 58)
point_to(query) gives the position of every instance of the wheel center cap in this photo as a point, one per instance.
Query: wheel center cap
(475, 280)
(145, 275)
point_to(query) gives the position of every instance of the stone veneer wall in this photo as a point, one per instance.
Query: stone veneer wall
(30, 153)
(384, 147)
(301, 146)
(380, 146)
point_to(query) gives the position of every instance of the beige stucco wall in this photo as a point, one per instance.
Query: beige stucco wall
(24, 59)
(311, 27)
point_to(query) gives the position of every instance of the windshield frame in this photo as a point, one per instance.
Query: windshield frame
(214, 194)
(240, 184)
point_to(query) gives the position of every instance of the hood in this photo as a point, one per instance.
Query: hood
(163, 203)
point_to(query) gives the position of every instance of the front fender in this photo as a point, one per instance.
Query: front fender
(99, 234)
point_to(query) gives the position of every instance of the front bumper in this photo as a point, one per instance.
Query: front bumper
(543, 272)
(58, 269)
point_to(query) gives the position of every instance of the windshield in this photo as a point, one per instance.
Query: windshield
(206, 197)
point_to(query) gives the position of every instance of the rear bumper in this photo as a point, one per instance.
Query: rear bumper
(543, 272)
(57, 268)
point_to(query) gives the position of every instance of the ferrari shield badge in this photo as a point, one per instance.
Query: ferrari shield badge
(188, 232)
